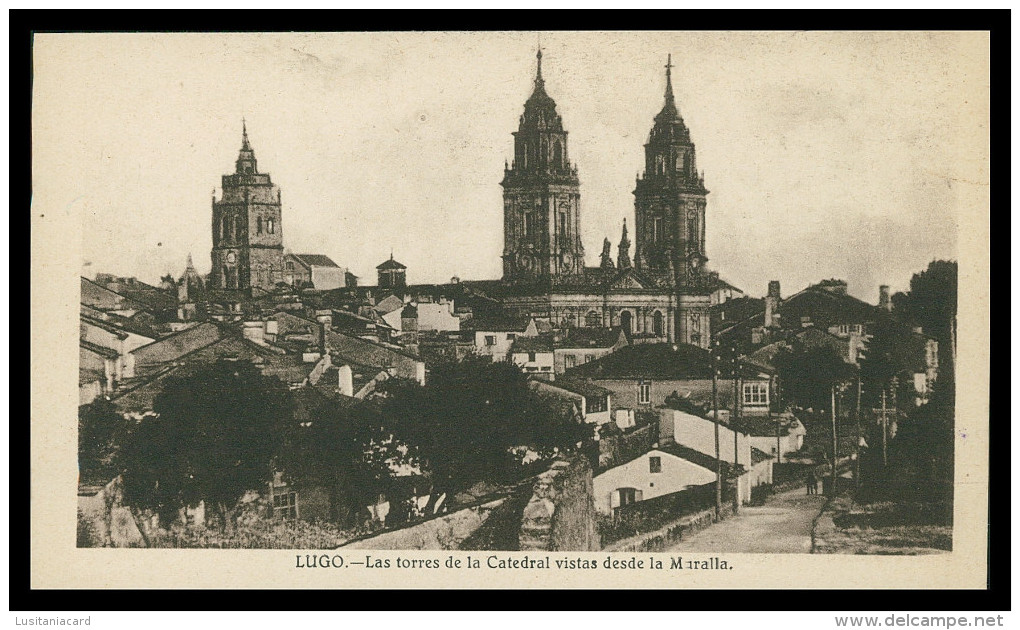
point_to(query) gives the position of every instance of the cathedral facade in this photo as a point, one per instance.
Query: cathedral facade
(664, 293)
(247, 228)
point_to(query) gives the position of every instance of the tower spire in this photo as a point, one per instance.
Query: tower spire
(244, 135)
(669, 77)
(623, 252)
(539, 81)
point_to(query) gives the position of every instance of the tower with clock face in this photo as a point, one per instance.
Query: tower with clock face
(247, 230)
(541, 212)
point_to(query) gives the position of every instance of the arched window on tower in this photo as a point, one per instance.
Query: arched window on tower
(692, 231)
(558, 154)
(258, 223)
(270, 226)
(224, 227)
(238, 228)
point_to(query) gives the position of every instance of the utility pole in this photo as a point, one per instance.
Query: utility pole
(733, 427)
(715, 419)
(835, 454)
(779, 445)
(885, 432)
(857, 451)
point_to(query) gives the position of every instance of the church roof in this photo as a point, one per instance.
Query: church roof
(316, 260)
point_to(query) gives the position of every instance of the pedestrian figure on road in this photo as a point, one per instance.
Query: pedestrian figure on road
(812, 483)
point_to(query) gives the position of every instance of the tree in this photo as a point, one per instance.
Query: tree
(461, 426)
(931, 303)
(101, 432)
(335, 451)
(215, 438)
(880, 363)
(807, 374)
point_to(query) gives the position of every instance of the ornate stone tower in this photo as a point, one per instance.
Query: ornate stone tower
(669, 199)
(247, 228)
(541, 211)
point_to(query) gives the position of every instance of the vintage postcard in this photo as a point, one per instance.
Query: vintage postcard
(510, 309)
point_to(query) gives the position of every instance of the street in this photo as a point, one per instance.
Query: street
(783, 525)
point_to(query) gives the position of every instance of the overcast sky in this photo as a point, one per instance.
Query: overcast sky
(841, 155)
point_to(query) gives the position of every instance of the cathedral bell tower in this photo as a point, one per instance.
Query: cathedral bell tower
(541, 211)
(669, 199)
(247, 233)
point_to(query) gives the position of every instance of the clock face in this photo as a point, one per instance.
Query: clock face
(231, 257)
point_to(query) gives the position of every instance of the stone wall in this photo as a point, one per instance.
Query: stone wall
(560, 516)
(444, 532)
(673, 533)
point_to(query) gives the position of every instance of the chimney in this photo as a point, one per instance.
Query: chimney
(345, 380)
(772, 304)
(254, 331)
(884, 302)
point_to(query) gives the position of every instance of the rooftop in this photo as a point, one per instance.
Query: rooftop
(316, 260)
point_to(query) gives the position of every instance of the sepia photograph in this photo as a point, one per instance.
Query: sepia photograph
(539, 301)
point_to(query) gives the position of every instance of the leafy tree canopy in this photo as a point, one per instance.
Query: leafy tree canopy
(461, 425)
(807, 374)
(216, 436)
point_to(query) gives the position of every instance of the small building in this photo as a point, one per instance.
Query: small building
(643, 376)
(534, 355)
(316, 269)
(665, 469)
(594, 403)
(577, 346)
(495, 334)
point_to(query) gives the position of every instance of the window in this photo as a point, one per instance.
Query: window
(657, 323)
(588, 358)
(285, 505)
(563, 224)
(569, 361)
(655, 464)
(490, 340)
(531, 357)
(557, 154)
(644, 392)
(225, 227)
(628, 496)
(270, 227)
(592, 319)
(531, 224)
(595, 404)
(290, 265)
(756, 394)
(656, 229)
(258, 224)
(511, 336)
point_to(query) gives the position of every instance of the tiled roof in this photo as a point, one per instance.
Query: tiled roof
(758, 456)
(583, 387)
(498, 323)
(691, 455)
(532, 344)
(660, 361)
(100, 350)
(588, 338)
(391, 264)
(316, 260)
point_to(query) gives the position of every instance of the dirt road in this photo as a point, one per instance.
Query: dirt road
(783, 525)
